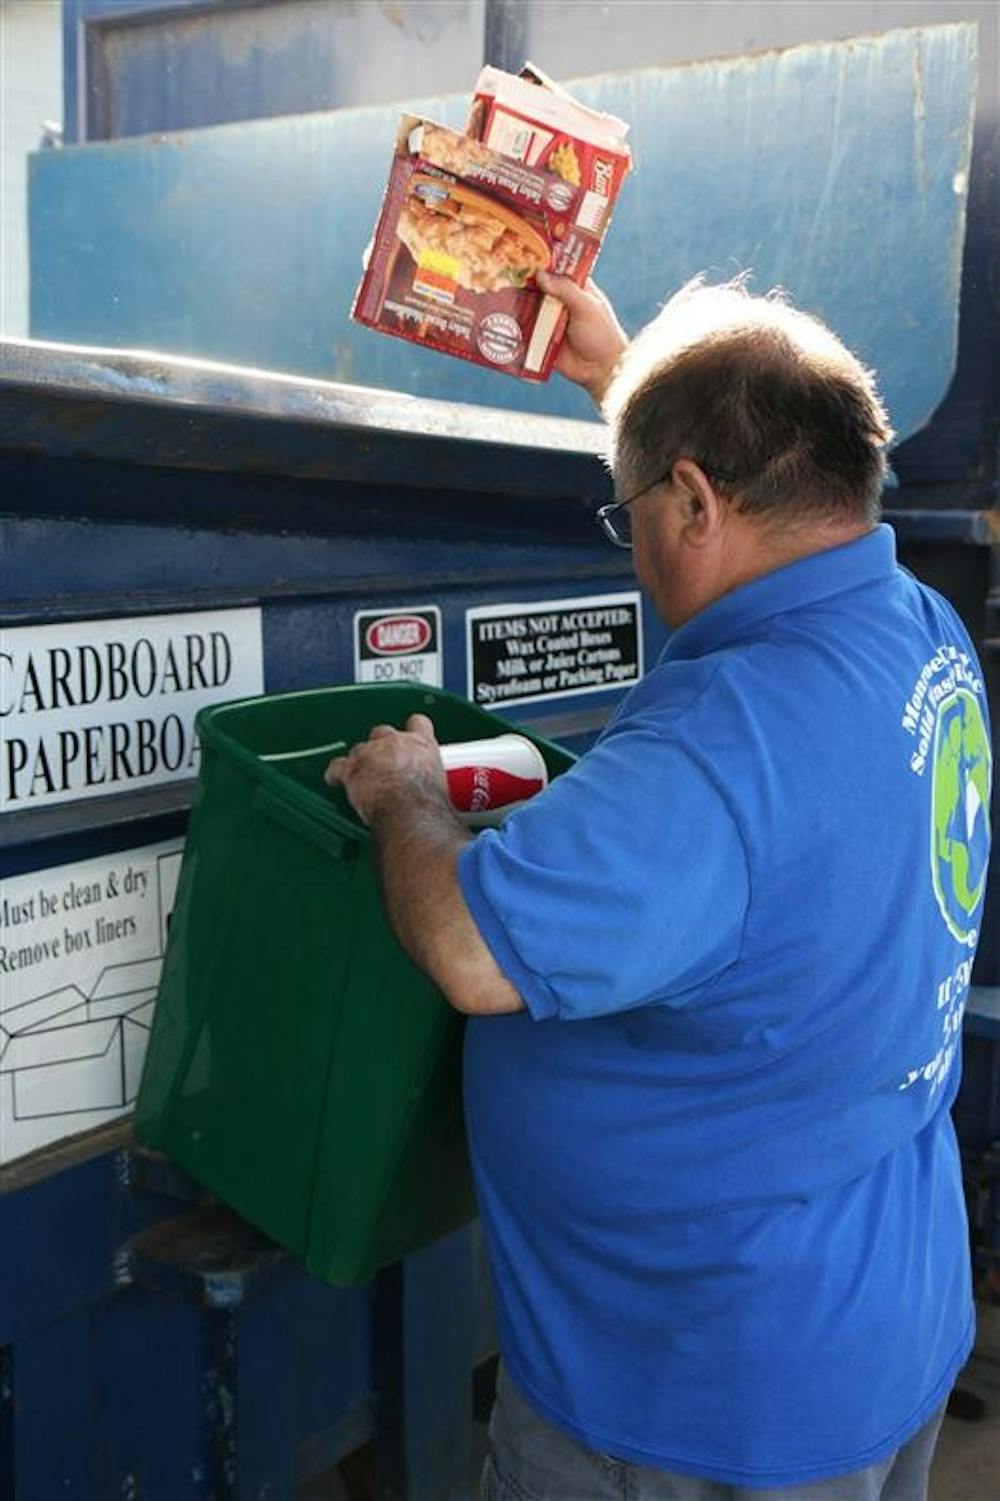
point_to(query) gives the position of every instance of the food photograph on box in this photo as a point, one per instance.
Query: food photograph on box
(469, 219)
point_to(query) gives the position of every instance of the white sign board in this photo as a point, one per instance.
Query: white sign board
(100, 706)
(401, 645)
(553, 648)
(81, 947)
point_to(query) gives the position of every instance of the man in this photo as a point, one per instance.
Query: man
(716, 972)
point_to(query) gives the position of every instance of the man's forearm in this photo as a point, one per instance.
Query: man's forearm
(418, 839)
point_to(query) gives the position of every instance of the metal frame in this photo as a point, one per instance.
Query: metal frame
(85, 78)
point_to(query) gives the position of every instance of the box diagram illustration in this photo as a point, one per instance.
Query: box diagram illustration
(81, 947)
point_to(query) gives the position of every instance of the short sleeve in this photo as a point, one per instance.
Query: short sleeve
(625, 883)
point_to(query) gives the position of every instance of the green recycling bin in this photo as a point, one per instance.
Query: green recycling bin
(300, 1066)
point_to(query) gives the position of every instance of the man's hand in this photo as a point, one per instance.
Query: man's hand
(391, 763)
(594, 342)
(396, 783)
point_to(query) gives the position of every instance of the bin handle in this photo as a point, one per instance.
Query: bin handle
(278, 811)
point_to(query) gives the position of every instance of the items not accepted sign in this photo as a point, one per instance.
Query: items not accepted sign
(553, 648)
(401, 645)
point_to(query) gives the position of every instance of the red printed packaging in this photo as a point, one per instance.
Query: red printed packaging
(533, 121)
(464, 228)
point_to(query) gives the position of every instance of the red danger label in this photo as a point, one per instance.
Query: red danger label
(401, 645)
(396, 634)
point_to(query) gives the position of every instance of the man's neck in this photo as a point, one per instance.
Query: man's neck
(762, 550)
(765, 550)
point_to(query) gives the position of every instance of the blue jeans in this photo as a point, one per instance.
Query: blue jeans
(532, 1461)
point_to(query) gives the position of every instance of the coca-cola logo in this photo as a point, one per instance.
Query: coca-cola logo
(474, 789)
(395, 634)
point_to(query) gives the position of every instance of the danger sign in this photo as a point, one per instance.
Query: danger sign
(398, 646)
(399, 635)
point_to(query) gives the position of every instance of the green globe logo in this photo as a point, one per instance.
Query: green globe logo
(960, 811)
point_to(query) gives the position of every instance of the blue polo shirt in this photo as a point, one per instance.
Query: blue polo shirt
(715, 1162)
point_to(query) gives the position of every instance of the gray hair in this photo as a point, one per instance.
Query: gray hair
(765, 398)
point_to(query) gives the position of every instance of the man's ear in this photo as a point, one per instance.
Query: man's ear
(704, 509)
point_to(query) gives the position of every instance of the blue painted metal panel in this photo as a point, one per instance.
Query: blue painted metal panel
(977, 1122)
(982, 1015)
(146, 1378)
(147, 1365)
(54, 1274)
(429, 1456)
(54, 1459)
(7, 1461)
(838, 170)
(77, 16)
(137, 66)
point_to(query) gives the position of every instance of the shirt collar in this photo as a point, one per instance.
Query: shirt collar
(866, 560)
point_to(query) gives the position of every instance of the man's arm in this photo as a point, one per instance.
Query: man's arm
(396, 783)
(395, 780)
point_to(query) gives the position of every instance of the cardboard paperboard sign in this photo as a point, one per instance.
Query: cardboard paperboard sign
(93, 707)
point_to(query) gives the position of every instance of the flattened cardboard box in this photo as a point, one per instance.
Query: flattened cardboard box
(462, 232)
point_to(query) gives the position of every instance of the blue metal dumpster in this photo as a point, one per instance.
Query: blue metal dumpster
(173, 534)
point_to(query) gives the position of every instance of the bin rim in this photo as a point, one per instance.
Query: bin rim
(213, 733)
(206, 717)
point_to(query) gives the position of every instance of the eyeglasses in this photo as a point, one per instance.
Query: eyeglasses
(616, 519)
